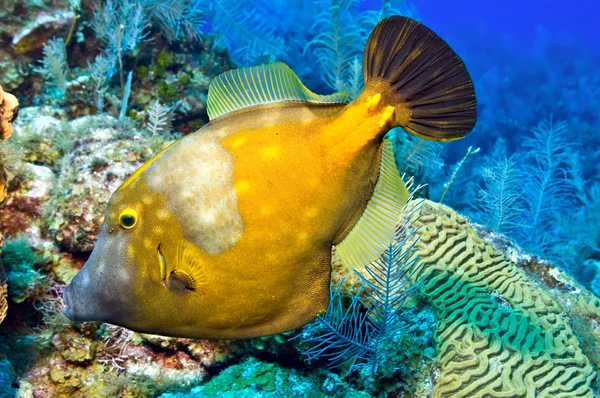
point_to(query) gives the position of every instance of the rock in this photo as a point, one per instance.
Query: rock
(40, 29)
(22, 214)
(102, 157)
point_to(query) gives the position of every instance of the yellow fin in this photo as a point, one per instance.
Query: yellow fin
(190, 270)
(374, 231)
(263, 84)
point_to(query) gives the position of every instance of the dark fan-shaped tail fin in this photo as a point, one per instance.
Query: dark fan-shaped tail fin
(418, 74)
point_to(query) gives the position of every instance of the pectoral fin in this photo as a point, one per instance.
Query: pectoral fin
(189, 273)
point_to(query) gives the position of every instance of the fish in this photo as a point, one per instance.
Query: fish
(228, 232)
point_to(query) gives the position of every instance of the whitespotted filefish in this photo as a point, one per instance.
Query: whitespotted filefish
(228, 232)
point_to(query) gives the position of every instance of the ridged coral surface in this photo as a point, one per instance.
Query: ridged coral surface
(500, 332)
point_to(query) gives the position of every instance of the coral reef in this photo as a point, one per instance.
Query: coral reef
(104, 154)
(503, 329)
(56, 200)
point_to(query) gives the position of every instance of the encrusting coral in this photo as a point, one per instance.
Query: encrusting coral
(8, 112)
(502, 330)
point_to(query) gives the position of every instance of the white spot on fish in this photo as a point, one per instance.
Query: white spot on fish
(199, 190)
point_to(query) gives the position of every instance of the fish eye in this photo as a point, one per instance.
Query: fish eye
(128, 218)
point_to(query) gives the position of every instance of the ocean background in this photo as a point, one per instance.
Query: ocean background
(526, 181)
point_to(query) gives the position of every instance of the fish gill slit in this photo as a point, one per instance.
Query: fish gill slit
(162, 265)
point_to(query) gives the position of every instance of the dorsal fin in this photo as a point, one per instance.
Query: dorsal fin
(263, 84)
(374, 230)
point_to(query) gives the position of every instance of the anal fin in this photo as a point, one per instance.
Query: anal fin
(374, 231)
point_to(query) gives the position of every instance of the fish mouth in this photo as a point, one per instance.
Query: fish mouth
(68, 301)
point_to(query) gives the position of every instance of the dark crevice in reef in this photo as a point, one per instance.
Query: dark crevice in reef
(285, 361)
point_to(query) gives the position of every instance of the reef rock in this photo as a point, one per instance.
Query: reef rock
(103, 154)
(508, 325)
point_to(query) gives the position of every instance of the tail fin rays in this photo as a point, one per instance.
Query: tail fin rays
(422, 77)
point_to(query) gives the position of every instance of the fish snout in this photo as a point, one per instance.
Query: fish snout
(72, 298)
(67, 299)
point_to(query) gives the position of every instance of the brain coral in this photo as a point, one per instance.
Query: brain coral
(502, 331)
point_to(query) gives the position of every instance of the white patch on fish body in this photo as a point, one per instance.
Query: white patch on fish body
(196, 179)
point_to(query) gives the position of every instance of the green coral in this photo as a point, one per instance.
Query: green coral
(167, 92)
(253, 374)
(259, 379)
(20, 262)
(405, 351)
(499, 333)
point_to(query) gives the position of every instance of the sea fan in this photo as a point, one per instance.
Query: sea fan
(338, 42)
(499, 202)
(101, 71)
(549, 188)
(55, 68)
(158, 118)
(176, 17)
(416, 156)
(359, 335)
(120, 24)
(341, 336)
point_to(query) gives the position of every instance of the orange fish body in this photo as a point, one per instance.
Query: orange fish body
(228, 233)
